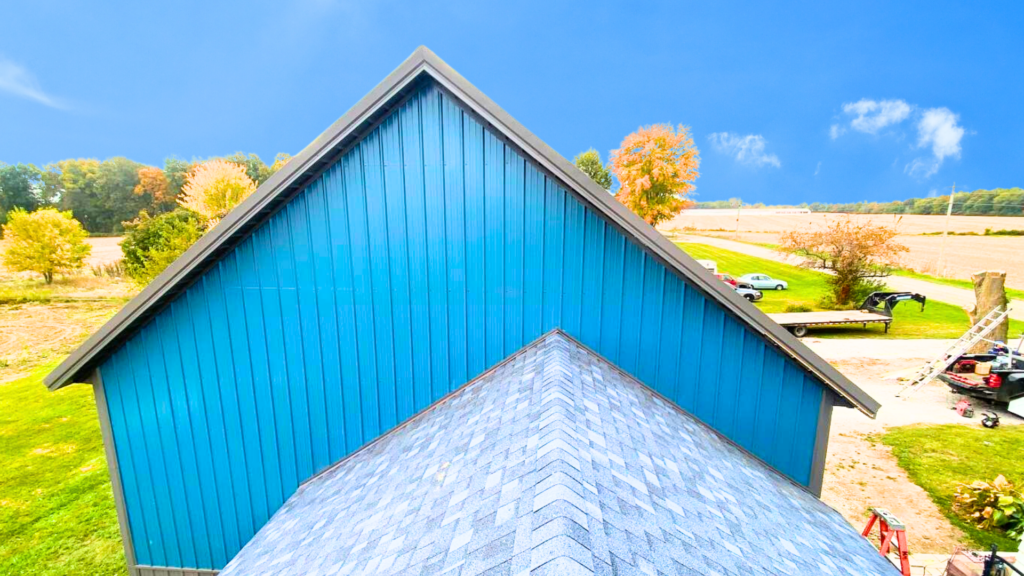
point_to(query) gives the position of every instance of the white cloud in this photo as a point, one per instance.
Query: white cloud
(836, 131)
(747, 149)
(16, 80)
(873, 115)
(937, 129)
(818, 168)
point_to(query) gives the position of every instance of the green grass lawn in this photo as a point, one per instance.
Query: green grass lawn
(806, 287)
(939, 458)
(57, 512)
(1011, 293)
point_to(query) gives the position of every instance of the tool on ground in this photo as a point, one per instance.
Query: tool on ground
(974, 335)
(989, 419)
(964, 408)
(890, 527)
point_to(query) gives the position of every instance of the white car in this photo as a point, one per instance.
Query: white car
(747, 291)
(764, 282)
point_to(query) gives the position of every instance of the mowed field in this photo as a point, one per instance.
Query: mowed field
(963, 255)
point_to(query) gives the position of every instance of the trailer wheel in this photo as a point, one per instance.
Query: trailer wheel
(799, 331)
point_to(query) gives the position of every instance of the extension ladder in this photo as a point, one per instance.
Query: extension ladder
(975, 334)
(889, 527)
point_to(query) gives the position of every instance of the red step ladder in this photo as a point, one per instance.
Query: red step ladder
(888, 527)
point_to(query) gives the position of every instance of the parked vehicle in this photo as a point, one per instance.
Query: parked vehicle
(876, 309)
(997, 376)
(748, 291)
(709, 265)
(764, 282)
(727, 279)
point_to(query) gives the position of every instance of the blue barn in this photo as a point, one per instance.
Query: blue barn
(421, 241)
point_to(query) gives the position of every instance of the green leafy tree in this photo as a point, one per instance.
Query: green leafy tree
(19, 184)
(589, 163)
(46, 241)
(256, 169)
(176, 172)
(102, 194)
(151, 244)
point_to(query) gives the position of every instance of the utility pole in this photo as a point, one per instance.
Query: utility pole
(739, 204)
(941, 270)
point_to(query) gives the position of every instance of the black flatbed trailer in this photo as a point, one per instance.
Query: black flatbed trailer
(876, 309)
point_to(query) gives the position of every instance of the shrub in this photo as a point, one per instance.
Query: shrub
(997, 506)
(214, 188)
(45, 241)
(151, 244)
(797, 308)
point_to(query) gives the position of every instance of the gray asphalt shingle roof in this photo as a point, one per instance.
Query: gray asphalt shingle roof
(555, 463)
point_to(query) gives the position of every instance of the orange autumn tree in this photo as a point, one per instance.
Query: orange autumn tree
(656, 167)
(152, 181)
(214, 188)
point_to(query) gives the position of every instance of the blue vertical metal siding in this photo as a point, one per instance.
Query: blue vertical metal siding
(429, 252)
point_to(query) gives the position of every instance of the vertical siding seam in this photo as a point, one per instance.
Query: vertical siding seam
(465, 240)
(721, 359)
(444, 226)
(179, 461)
(195, 459)
(369, 249)
(391, 283)
(702, 303)
(269, 373)
(316, 303)
(542, 225)
(218, 390)
(600, 284)
(661, 308)
(502, 204)
(162, 455)
(302, 350)
(643, 293)
(426, 250)
(234, 377)
(408, 267)
(355, 313)
(252, 379)
(128, 441)
(796, 422)
(739, 382)
(483, 238)
(522, 274)
(583, 267)
(287, 379)
(561, 273)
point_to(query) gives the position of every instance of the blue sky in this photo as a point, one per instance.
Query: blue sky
(788, 102)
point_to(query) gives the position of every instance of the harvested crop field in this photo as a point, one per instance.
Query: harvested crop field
(752, 221)
(964, 255)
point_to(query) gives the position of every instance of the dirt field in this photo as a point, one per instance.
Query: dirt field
(104, 250)
(861, 473)
(964, 255)
(908, 224)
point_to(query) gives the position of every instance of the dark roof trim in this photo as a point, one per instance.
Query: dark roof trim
(371, 108)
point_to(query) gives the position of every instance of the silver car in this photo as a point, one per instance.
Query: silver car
(764, 282)
(747, 291)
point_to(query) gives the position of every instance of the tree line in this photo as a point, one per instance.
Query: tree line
(996, 202)
(104, 195)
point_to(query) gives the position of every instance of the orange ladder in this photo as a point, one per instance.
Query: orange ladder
(888, 527)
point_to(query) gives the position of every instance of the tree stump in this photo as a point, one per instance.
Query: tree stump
(989, 294)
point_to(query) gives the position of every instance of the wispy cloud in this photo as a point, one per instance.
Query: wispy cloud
(818, 168)
(16, 80)
(836, 131)
(747, 149)
(938, 129)
(873, 115)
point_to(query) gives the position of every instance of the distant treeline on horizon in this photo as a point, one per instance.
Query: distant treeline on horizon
(102, 195)
(997, 202)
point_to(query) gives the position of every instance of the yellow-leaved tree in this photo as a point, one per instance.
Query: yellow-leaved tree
(214, 188)
(45, 241)
(656, 167)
